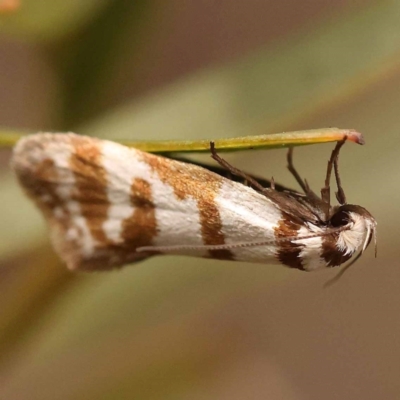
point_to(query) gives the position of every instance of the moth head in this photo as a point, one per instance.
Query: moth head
(357, 227)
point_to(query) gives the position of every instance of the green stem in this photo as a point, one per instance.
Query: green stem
(8, 138)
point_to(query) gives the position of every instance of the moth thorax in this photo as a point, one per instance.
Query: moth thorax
(361, 226)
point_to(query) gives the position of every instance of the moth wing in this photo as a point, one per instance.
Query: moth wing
(103, 200)
(63, 175)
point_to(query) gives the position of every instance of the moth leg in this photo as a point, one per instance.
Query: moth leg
(340, 195)
(322, 204)
(303, 184)
(272, 183)
(233, 170)
(333, 162)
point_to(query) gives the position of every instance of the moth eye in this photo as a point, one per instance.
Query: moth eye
(340, 218)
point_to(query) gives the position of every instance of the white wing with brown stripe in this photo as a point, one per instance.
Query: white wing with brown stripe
(109, 205)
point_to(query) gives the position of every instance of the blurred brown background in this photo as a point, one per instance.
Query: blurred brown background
(180, 328)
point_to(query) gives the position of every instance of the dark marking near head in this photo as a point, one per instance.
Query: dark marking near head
(288, 253)
(331, 253)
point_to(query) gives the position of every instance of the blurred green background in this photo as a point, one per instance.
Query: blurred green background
(180, 328)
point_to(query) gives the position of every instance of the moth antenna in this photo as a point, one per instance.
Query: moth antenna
(230, 246)
(166, 249)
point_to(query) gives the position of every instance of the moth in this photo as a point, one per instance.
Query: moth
(108, 205)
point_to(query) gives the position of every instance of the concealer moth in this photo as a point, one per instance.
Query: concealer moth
(108, 205)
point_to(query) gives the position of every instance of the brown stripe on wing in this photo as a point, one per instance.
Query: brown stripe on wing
(90, 185)
(202, 185)
(40, 181)
(137, 230)
(212, 232)
(288, 253)
(91, 193)
(141, 228)
(330, 253)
